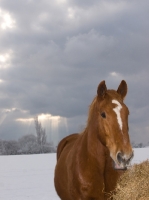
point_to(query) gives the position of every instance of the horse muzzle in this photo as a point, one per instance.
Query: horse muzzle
(123, 160)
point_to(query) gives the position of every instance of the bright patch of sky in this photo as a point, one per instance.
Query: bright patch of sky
(6, 21)
(5, 59)
(71, 13)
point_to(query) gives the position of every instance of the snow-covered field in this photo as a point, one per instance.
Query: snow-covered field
(27, 177)
(30, 177)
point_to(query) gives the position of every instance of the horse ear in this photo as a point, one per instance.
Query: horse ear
(122, 89)
(101, 90)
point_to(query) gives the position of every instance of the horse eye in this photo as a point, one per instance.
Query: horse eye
(103, 114)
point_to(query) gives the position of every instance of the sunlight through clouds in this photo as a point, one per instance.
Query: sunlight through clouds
(23, 120)
(6, 21)
(1, 81)
(71, 13)
(4, 113)
(52, 125)
(5, 59)
(61, 1)
(114, 74)
(41, 117)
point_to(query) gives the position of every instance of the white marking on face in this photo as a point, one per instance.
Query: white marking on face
(117, 110)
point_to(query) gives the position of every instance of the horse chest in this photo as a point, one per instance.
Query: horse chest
(89, 182)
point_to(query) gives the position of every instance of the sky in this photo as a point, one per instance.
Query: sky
(53, 55)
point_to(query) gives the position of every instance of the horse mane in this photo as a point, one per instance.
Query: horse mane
(91, 112)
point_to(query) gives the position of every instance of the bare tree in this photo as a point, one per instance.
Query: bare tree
(41, 134)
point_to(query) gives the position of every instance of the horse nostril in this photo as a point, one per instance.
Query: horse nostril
(120, 157)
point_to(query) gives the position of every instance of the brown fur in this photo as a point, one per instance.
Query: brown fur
(84, 169)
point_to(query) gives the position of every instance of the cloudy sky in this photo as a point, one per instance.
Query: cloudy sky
(54, 53)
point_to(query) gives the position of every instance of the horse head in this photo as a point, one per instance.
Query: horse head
(113, 123)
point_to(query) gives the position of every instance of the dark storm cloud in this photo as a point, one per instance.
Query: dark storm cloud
(61, 50)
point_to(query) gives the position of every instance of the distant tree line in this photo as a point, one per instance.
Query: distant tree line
(28, 144)
(139, 145)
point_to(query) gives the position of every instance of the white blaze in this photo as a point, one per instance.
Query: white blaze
(117, 111)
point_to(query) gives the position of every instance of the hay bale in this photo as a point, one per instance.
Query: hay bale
(133, 184)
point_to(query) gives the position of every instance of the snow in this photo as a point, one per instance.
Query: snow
(30, 177)
(140, 154)
(27, 177)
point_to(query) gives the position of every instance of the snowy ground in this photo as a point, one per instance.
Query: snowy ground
(27, 177)
(30, 177)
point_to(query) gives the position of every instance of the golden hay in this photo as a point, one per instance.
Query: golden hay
(133, 184)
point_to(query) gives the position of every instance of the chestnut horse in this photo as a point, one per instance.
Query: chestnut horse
(87, 162)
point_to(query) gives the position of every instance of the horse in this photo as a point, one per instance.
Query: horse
(89, 163)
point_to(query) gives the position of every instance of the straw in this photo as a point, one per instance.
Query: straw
(133, 184)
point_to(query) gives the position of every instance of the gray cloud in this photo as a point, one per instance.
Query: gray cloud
(59, 51)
